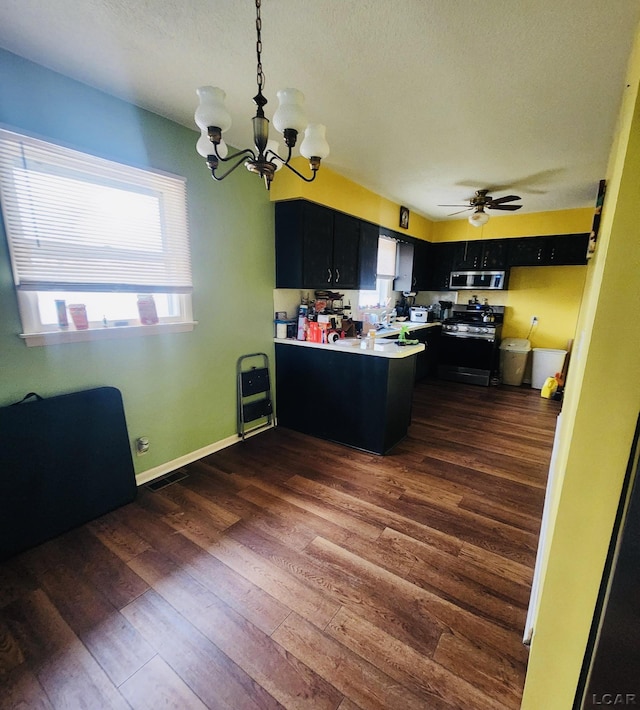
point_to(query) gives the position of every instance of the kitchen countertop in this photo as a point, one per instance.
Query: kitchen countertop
(352, 345)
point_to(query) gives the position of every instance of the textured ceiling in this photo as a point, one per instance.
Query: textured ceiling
(424, 100)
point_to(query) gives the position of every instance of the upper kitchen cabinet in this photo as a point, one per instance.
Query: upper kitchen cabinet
(568, 249)
(413, 266)
(557, 250)
(368, 256)
(478, 254)
(346, 246)
(316, 247)
(422, 257)
(404, 267)
(442, 256)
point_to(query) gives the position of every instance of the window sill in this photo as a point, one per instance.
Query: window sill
(56, 337)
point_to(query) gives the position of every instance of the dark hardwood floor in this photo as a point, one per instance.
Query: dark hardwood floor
(288, 572)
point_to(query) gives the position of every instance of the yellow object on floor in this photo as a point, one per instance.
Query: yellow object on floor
(549, 387)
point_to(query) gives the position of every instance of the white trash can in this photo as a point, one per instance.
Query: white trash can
(513, 360)
(546, 362)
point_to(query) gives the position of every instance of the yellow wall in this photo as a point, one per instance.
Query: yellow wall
(552, 294)
(520, 225)
(596, 428)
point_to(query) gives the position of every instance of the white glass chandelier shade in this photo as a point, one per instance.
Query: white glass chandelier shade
(314, 144)
(290, 113)
(211, 111)
(205, 147)
(478, 218)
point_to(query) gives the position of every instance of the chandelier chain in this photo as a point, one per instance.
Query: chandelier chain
(259, 73)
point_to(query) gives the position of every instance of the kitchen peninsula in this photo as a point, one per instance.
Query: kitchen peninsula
(343, 393)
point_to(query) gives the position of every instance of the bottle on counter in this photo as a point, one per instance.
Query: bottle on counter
(303, 322)
(369, 342)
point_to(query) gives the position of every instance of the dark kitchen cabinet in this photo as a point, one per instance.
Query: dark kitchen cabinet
(569, 249)
(480, 254)
(368, 256)
(528, 251)
(316, 247)
(441, 258)
(421, 265)
(427, 360)
(346, 244)
(555, 250)
(367, 406)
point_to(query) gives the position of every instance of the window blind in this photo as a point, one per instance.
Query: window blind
(77, 222)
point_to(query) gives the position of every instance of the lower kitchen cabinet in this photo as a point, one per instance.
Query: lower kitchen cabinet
(358, 400)
(427, 361)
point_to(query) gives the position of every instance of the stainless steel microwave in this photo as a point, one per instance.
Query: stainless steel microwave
(478, 280)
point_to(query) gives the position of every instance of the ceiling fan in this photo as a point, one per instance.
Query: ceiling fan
(481, 201)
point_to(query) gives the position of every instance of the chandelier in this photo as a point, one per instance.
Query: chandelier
(213, 119)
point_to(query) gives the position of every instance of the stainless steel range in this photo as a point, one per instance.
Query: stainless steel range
(469, 346)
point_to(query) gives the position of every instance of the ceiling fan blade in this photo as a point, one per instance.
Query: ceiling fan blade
(508, 198)
(511, 208)
(458, 212)
(456, 205)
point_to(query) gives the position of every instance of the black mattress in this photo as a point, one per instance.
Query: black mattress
(64, 460)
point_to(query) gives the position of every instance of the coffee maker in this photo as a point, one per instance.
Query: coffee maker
(404, 305)
(445, 309)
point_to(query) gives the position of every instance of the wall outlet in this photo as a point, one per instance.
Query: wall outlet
(534, 320)
(142, 445)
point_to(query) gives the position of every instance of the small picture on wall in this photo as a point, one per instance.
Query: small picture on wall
(404, 217)
(593, 237)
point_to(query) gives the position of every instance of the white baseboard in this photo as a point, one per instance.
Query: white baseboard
(153, 473)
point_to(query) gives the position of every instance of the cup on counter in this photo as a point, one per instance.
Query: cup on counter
(61, 312)
(79, 315)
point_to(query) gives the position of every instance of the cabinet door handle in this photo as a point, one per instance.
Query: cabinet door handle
(329, 276)
(337, 275)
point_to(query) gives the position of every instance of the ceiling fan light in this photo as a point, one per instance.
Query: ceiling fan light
(478, 218)
(315, 144)
(211, 110)
(290, 113)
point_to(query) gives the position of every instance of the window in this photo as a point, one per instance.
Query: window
(86, 230)
(386, 273)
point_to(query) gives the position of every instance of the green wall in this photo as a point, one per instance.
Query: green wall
(179, 389)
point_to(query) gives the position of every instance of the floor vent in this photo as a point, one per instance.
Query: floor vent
(167, 480)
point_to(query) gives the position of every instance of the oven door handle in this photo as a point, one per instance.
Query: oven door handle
(471, 336)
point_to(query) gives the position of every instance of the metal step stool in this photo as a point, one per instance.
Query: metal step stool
(254, 393)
